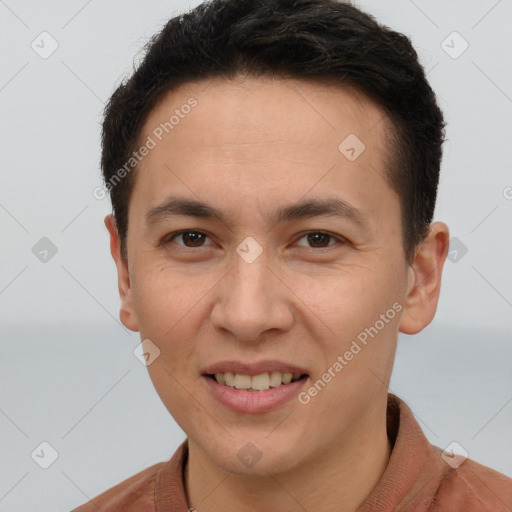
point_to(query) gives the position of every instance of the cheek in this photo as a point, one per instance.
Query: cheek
(162, 297)
(351, 300)
(365, 340)
(175, 392)
(167, 306)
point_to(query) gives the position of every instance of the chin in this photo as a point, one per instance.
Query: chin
(256, 455)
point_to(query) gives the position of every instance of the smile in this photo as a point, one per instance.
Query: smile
(261, 382)
(256, 394)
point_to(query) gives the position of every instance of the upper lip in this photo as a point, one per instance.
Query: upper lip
(253, 368)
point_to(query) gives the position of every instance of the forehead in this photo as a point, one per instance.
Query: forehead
(262, 138)
(263, 107)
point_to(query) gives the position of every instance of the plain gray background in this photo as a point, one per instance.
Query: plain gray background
(68, 375)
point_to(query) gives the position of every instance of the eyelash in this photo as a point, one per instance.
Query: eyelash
(176, 234)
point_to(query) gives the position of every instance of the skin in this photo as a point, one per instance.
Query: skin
(250, 145)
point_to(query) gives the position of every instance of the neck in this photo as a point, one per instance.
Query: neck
(338, 479)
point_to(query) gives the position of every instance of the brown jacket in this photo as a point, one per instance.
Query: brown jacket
(417, 479)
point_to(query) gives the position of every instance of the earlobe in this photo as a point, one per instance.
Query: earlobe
(127, 312)
(424, 280)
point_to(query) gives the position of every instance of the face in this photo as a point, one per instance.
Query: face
(264, 277)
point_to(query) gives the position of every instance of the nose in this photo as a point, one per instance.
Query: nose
(252, 300)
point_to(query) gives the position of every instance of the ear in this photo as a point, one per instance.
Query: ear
(127, 312)
(424, 280)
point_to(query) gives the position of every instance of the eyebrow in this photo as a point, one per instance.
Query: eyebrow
(335, 207)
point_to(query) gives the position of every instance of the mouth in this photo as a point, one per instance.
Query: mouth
(254, 388)
(256, 383)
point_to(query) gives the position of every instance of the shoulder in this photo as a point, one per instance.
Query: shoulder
(473, 487)
(136, 493)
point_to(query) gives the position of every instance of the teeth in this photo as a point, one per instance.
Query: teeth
(260, 382)
(275, 379)
(242, 381)
(229, 379)
(287, 378)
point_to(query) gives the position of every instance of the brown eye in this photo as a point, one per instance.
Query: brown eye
(319, 239)
(190, 238)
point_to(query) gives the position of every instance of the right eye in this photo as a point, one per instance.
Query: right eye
(187, 236)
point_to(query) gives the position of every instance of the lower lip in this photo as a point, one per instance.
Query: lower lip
(254, 401)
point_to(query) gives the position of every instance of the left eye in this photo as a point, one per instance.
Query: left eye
(320, 239)
(316, 239)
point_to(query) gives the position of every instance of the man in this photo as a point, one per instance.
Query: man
(273, 168)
